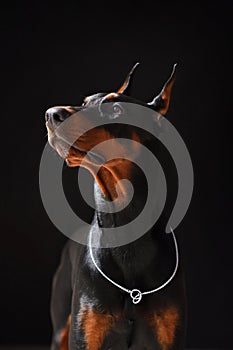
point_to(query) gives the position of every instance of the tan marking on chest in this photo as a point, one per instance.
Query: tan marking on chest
(165, 324)
(95, 327)
(64, 341)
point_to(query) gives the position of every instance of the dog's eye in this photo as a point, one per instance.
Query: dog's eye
(117, 109)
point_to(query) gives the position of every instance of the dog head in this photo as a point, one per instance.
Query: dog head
(73, 133)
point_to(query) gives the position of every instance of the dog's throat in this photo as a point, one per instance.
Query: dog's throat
(110, 177)
(119, 201)
(107, 181)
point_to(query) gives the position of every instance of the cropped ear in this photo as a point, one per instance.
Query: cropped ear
(161, 102)
(124, 89)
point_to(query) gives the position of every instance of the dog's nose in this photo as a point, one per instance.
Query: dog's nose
(57, 114)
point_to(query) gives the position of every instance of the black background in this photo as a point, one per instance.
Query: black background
(54, 54)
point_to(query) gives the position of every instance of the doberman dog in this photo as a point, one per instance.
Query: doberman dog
(89, 312)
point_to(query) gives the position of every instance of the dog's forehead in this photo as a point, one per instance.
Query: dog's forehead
(95, 98)
(98, 98)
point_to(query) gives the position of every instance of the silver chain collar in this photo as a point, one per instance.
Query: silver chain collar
(136, 294)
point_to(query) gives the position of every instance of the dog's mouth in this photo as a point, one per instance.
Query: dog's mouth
(72, 153)
(76, 154)
(102, 169)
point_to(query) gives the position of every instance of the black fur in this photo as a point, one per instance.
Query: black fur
(145, 264)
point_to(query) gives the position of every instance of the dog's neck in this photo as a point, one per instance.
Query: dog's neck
(140, 254)
(120, 206)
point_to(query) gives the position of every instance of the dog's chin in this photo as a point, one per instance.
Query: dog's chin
(76, 157)
(70, 154)
(73, 155)
(61, 147)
